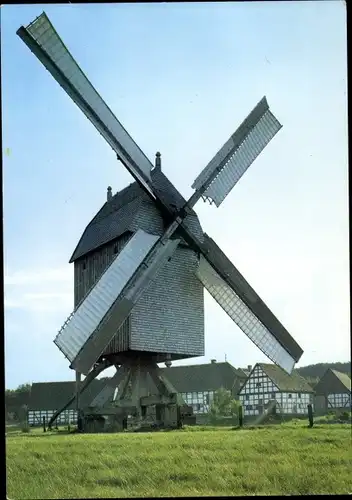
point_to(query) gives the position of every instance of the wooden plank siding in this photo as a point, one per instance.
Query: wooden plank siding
(87, 271)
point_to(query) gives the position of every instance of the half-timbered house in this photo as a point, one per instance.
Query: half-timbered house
(269, 387)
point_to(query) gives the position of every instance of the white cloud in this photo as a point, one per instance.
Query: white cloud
(39, 302)
(44, 295)
(37, 277)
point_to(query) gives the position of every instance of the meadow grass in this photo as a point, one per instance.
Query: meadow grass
(275, 460)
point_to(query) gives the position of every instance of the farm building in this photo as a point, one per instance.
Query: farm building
(47, 397)
(196, 383)
(333, 391)
(268, 385)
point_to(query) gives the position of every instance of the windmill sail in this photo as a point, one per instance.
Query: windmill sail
(238, 299)
(237, 154)
(43, 40)
(90, 328)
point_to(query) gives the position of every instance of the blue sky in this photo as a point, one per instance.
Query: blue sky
(181, 78)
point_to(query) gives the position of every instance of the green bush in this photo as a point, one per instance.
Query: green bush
(223, 407)
(345, 416)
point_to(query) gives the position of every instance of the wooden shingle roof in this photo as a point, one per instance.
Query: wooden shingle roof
(333, 382)
(203, 377)
(54, 395)
(284, 381)
(116, 216)
(344, 379)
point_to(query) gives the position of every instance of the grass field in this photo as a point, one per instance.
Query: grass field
(286, 459)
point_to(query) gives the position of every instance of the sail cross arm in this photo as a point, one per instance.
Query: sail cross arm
(85, 320)
(232, 292)
(234, 158)
(126, 300)
(42, 39)
(90, 328)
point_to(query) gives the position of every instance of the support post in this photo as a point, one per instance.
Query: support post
(78, 387)
(44, 428)
(135, 396)
(310, 415)
(240, 416)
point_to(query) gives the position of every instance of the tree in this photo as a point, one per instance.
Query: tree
(14, 400)
(23, 388)
(319, 369)
(223, 405)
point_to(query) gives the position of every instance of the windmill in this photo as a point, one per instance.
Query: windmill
(143, 262)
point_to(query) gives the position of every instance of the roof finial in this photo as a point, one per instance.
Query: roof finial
(158, 160)
(109, 194)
